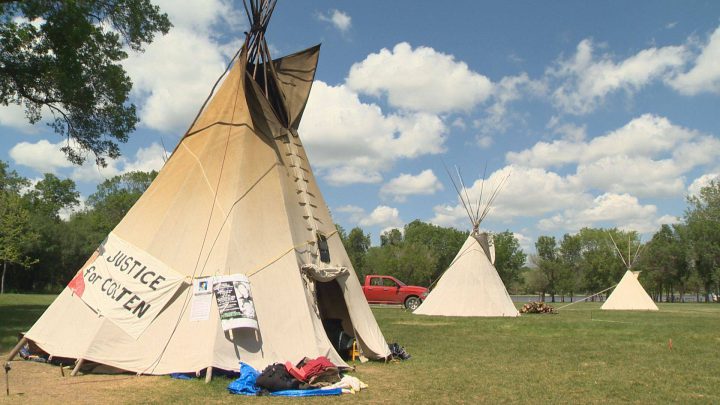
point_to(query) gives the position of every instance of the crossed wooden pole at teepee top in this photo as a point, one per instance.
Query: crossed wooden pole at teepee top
(473, 210)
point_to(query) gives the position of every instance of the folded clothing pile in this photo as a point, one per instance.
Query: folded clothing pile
(310, 377)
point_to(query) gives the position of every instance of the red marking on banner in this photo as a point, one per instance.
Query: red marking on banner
(77, 284)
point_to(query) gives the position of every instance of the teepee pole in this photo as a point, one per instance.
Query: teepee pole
(78, 364)
(16, 349)
(482, 189)
(617, 249)
(462, 200)
(208, 375)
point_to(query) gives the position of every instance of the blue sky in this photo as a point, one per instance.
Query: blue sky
(602, 113)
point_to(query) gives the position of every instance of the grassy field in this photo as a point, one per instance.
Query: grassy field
(581, 355)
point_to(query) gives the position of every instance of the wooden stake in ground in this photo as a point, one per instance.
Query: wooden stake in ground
(7, 379)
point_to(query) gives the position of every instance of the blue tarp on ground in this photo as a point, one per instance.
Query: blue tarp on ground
(245, 385)
(308, 393)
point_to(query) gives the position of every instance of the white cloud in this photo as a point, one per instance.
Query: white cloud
(13, 116)
(382, 216)
(568, 131)
(646, 157)
(648, 135)
(89, 172)
(621, 210)
(667, 219)
(705, 74)
(527, 192)
(173, 77)
(638, 175)
(420, 79)
(510, 88)
(353, 142)
(485, 141)
(43, 156)
(586, 80)
(526, 243)
(204, 16)
(46, 157)
(459, 123)
(354, 213)
(339, 19)
(405, 185)
(345, 175)
(702, 181)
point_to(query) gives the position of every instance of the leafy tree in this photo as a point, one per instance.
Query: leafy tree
(444, 243)
(702, 218)
(548, 263)
(601, 267)
(114, 198)
(357, 246)
(105, 209)
(15, 234)
(509, 257)
(46, 200)
(535, 280)
(663, 262)
(410, 263)
(570, 252)
(10, 181)
(64, 57)
(51, 195)
(391, 237)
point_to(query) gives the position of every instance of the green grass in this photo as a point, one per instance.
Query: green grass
(17, 313)
(581, 355)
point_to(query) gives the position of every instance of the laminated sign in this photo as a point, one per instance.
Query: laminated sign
(234, 301)
(126, 285)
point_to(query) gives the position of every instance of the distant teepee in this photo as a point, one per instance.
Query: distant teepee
(471, 285)
(629, 294)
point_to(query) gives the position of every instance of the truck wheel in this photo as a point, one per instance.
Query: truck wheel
(412, 303)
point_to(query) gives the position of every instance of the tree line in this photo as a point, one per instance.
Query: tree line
(42, 244)
(679, 259)
(41, 247)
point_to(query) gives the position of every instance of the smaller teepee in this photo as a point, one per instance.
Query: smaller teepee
(629, 294)
(471, 285)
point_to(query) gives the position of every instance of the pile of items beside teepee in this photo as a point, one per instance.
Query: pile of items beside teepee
(471, 285)
(235, 214)
(629, 294)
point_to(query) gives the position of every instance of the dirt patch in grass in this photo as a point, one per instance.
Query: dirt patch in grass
(32, 382)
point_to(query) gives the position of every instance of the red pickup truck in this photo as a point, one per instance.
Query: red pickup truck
(389, 290)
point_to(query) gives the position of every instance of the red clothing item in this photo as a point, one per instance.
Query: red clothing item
(308, 368)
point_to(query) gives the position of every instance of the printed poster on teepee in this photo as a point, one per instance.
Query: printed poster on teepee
(125, 284)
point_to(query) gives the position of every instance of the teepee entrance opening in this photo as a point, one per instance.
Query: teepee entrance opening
(335, 316)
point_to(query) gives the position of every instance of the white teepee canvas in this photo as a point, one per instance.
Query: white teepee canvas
(629, 294)
(471, 285)
(237, 197)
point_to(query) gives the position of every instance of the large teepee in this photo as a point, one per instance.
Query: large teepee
(471, 285)
(629, 294)
(236, 197)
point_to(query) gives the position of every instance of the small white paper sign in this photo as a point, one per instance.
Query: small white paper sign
(201, 299)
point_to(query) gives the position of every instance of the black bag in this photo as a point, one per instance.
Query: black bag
(398, 352)
(275, 377)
